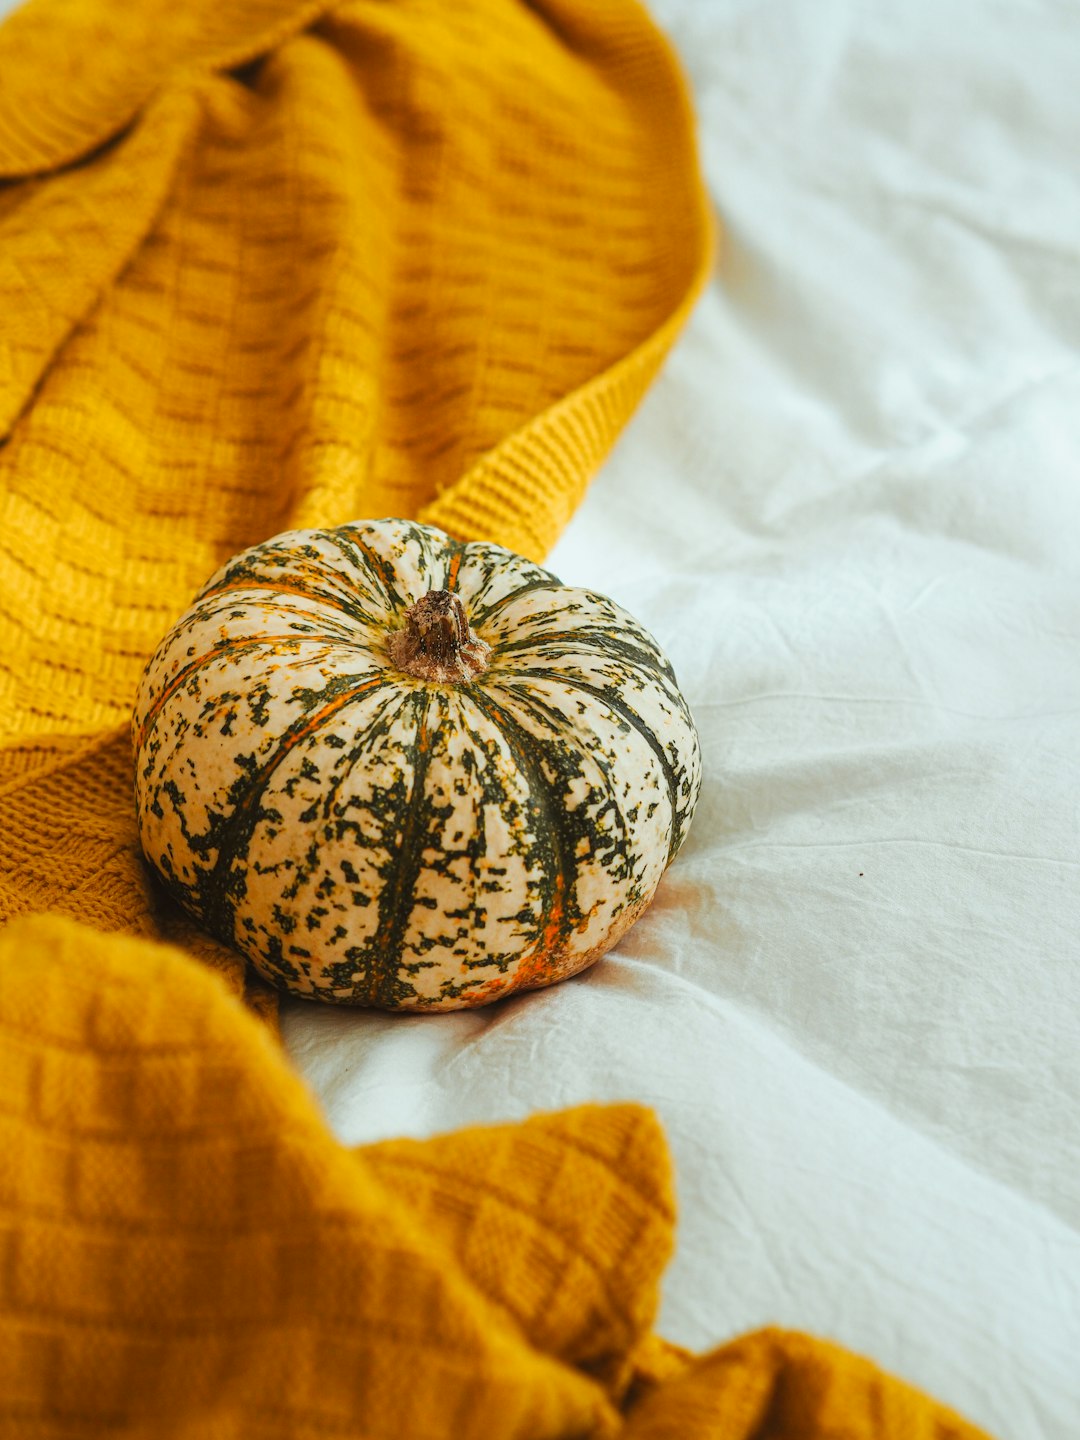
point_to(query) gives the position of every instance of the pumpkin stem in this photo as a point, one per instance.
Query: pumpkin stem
(437, 642)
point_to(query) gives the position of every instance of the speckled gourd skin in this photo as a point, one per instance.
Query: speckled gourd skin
(371, 838)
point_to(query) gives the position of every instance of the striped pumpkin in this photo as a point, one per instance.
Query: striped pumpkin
(401, 771)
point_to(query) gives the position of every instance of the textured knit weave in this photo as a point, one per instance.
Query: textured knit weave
(266, 264)
(189, 1253)
(358, 277)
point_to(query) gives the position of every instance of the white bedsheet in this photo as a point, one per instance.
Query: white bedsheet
(850, 510)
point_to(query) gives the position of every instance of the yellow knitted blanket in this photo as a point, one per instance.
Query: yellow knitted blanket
(266, 264)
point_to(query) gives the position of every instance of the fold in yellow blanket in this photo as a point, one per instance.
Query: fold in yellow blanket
(267, 264)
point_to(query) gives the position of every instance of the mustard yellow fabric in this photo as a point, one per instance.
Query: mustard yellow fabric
(189, 1253)
(408, 259)
(266, 264)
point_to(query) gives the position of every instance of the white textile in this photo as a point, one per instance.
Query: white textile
(850, 511)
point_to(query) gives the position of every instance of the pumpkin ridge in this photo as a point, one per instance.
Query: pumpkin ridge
(237, 830)
(366, 557)
(558, 883)
(370, 738)
(487, 566)
(633, 719)
(558, 721)
(484, 614)
(287, 587)
(396, 898)
(534, 845)
(372, 735)
(491, 780)
(602, 642)
(219, 649)
(206, 607)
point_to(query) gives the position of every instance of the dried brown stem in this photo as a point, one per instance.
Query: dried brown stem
(437, 642)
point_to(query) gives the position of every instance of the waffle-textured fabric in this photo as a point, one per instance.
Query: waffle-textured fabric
(189, 1253)
(414, 259)
(267, 264)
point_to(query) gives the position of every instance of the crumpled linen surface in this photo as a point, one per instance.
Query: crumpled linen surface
(854, 1003)
(265, 265)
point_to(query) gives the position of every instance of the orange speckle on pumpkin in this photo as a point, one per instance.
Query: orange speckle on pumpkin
(553, 925)
(452, 572)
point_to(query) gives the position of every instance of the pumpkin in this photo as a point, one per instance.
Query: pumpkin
(402, 771)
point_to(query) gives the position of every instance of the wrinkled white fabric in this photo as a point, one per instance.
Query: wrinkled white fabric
(850, 510)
